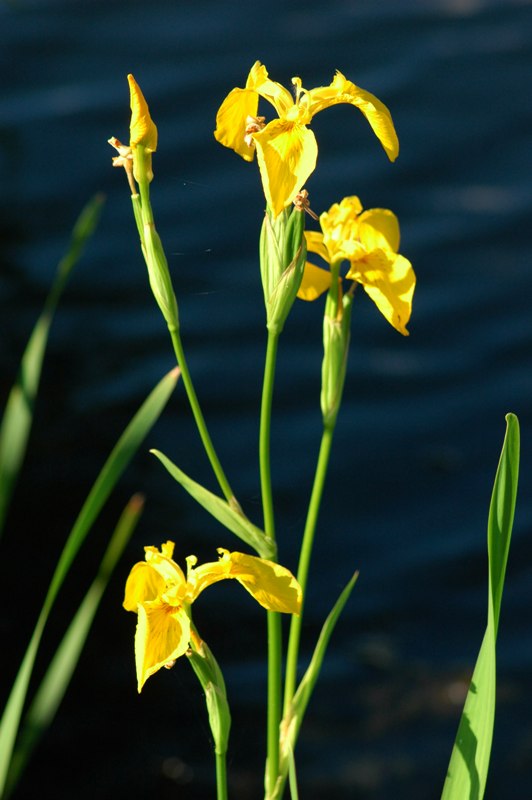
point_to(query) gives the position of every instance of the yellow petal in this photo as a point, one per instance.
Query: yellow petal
(287, 154)
(142, 128)
(231, 121)
(274, 92)
(315, 282)
(144, 583)
(273, 586)
(340, 229)
(315, 244)
(164, 564)
(162, 635)
(342, 90)
(390, 282)
(379, 228)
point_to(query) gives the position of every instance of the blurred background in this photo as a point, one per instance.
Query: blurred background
(422, 424)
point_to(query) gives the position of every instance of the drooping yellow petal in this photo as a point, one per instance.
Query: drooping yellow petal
(287, 154)
(377, 114)
(231, 121)
(315, 282)
(143, 583)
(272, 585)
(390, 282)
(162, 635)
(379, 228)
(142, 129)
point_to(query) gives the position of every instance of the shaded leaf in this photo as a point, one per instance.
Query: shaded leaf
(113, 468)
(61, 668)
(18, 414)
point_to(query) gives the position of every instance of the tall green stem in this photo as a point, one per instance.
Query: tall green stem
(274, 622)
(304, 559)
(264, 437)
(160, 279)
(221, 777)
(335, 343)
(199, 418)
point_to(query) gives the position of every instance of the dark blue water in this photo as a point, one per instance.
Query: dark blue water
(423, 419)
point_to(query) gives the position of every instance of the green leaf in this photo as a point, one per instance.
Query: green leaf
(221, 510)
(293, 718)
(113, 468)
(468, 767)
(18, 414)
(61, 668)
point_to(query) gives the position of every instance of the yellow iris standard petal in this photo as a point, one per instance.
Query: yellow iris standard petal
(231, 121)
(377, 114)
(163, 634)
(390, 282)
(287, 154)
(164, 564)
(315, 282)
(142, 129)
(273, 92)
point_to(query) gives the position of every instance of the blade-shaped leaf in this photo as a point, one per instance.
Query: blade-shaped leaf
(113, 468)
(468, 767)
(18, 414)
(61, 668)
(293, 718)
(232, 519)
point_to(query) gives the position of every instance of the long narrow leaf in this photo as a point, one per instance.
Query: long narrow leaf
(18, 414)
(468, 767)
(113, 468)
(233, 520)
(293, 718)
(61, 668)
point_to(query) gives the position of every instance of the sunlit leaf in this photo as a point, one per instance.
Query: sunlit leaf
(470, 758)
(233, 519)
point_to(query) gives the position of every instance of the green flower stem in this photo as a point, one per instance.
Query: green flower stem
(200, 420)
(221, 777)
(161, 283)
(304, 560)
(274, 621)
(264, 439)
(330, 412)
(274, 698)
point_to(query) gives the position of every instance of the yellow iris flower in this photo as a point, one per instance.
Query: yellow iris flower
(369, 241)
(158, 591)
(286, 148)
